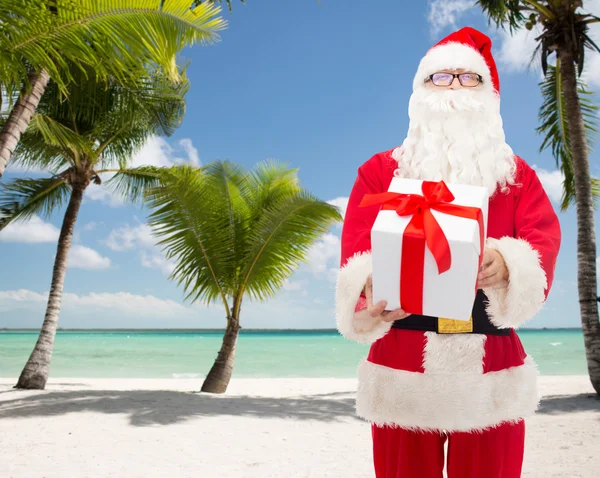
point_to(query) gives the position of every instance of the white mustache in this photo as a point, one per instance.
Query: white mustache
(449, 101)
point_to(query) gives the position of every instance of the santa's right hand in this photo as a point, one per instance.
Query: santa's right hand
(377, 311)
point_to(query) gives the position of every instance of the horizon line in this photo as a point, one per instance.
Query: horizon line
(133, 329)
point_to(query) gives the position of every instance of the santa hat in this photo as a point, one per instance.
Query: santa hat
(466, 48)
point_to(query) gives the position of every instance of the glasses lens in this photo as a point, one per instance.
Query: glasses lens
(468, 79)
(442, 79)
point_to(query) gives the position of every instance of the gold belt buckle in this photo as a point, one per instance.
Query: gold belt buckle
(451, 326)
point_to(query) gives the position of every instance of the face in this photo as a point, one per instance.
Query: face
(443, 80)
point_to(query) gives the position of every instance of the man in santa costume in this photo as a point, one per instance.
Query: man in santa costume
(427, 381)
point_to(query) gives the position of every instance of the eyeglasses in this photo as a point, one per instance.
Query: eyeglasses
(465, 79)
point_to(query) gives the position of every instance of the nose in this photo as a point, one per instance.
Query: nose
(455, 85)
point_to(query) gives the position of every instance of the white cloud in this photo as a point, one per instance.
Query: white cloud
(552, 182)
(159, 152)
(22, 295)
(126, 238)
(591, 72)
(34, 230)
(445, 13)
(156, 152)
(516, 51)
(157, 261)
(192, 153)
(341, 203)
(102, 193)
(131, 305)
(130, 310)
(140, 238)
(323, 256)
(90, 226)
(296, 286)
(81, 257)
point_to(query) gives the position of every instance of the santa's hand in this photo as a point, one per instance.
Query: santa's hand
(377, 311)
(493, 272)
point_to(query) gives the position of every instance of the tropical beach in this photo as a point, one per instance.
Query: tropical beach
(259, 428)
(288, 411)
(299, 239)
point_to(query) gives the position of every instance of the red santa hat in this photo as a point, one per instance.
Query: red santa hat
(466, 48)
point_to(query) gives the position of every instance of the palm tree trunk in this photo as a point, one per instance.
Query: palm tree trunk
(20, 116)
(37, 369)
(219, 375)
(586, 238)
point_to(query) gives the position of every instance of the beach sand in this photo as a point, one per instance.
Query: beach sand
(259, 428)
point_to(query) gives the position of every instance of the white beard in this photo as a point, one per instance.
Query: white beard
(456, 136)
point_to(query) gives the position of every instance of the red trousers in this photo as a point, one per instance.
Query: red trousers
(494, 453)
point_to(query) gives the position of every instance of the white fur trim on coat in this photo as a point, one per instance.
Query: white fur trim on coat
(525, 295)
(453, 353)
(351, 281)
(451, 56)
(458, 402)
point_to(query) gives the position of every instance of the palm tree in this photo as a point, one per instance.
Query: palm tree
(565, 118)
(77, 147)
(44, 39)
(234, 234)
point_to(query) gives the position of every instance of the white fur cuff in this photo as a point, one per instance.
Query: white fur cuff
(350, 283)
(511, 307)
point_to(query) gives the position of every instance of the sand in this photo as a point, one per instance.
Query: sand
(260, 428)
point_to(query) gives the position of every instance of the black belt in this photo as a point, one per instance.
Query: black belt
(480, 319)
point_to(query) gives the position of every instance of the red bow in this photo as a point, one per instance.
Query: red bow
(423, 229)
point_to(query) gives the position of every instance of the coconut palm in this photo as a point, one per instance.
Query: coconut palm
(566, 123)
(77, 147)
(234, 234)
(45, 39)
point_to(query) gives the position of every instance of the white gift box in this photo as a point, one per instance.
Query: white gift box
(448, 295)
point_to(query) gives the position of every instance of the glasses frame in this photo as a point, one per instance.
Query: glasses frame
(455, 75)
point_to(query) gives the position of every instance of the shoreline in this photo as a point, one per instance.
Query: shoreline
(259, 428)
(12, 330)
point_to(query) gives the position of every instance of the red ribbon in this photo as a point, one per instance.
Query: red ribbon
(423, 229)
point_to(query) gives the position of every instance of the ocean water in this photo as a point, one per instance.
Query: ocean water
(164, 354)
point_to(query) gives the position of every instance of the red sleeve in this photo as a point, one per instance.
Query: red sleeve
(356, 231)
(530, 254)
(374, 176)
(537, 222)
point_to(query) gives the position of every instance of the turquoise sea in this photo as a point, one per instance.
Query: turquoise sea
(164, 353)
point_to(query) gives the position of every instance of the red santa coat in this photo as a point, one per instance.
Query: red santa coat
(452, 382)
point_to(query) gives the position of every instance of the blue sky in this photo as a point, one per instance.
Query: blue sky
(320, 87)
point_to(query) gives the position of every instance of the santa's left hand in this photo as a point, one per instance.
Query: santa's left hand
(493, 272)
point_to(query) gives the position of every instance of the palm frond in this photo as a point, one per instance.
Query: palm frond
(280, 240)
(194, 231)
(33, 153)
(132, 184)
(555, 129)
(224, 245)
(60, 136)
(226, 182)
(269, 182)
(113, 37)
(20, 199)
(200, 2)
(504, 13)
(102, 120)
